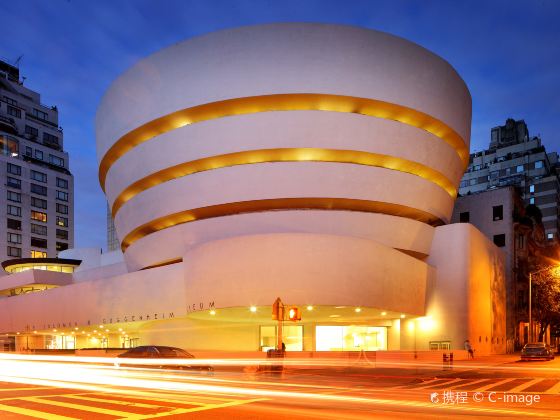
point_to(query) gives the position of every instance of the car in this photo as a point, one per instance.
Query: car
(535, 351)
(162, 352)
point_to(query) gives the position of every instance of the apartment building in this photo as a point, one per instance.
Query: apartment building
(514, 158)
(36, 210)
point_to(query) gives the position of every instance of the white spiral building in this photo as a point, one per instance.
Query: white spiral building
(317, 163)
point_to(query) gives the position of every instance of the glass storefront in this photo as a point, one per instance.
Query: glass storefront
(350, 338)
(55, 342)
(292, 336)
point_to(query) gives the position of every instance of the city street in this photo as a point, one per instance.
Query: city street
(498, 386)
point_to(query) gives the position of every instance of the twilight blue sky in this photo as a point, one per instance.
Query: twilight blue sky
(508, 52)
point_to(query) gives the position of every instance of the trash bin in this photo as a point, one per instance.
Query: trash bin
(275, 365)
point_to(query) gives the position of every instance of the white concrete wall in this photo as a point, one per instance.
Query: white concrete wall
(467, 300)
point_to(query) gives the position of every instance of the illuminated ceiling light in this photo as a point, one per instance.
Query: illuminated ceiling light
(89, 335)
(106, 330)
(17, 333)
(358, 310)
(54, 330)
(334, 316)
(76, 328)
(73, 332)
(213, 312)
(310, 308)
(403, 316)
(339, 307)
(383, 313)
(253, 309)
(120, 329)
(101, 326)
(83, 332)
(34, 332)
(94, 331)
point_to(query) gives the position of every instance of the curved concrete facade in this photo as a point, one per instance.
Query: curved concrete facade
(302, 118)
(316, 163)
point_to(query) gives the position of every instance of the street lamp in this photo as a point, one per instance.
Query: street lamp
(530, 293)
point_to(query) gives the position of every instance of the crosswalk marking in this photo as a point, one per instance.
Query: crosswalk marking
(191, 410)
(82, 407)
(521, 387)
(120, 402)
(492, 385)
(554, 390)
(443, 385)
(29, 388)
(33, 413)
(419, 383)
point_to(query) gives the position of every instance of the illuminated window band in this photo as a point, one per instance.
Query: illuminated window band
(308, 203)
(281, 102)
(283, 155)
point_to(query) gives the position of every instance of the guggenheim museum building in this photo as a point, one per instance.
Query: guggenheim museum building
(312, 162)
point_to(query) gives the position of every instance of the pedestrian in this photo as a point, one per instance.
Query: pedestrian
(469, 349)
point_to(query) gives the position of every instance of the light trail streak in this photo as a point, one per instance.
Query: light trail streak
(287, 362)
(152, 385)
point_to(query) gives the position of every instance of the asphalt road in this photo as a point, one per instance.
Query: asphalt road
(487, 388)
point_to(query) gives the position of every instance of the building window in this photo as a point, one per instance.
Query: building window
(14, 252)
(61, 208)
(13, 224)
(14, 169)
(28, 151)
(61, 183)
(49, 138)
(550, 236)
(14, 238)
(532, 200)
(61, 246)
(38, 202)
(38, 242)
(531, 188)
(38, 254)
(494, 174)
(520, 241)
(61, 195)
(472, 181)
(497, 213)
(31, 132)
(61, 221)
(13, 182)
(9, 146)
(38, 176)
(500, 240)
(38, 229)
(10, 101)
(38, 189)
(519, 168)
(39, 216)
(14, 112)
(55, 160)
(40, 114)
(539, 164)
(62, 234)
(14, 210)
(464, 217)
(13, 196)
(38, 154)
